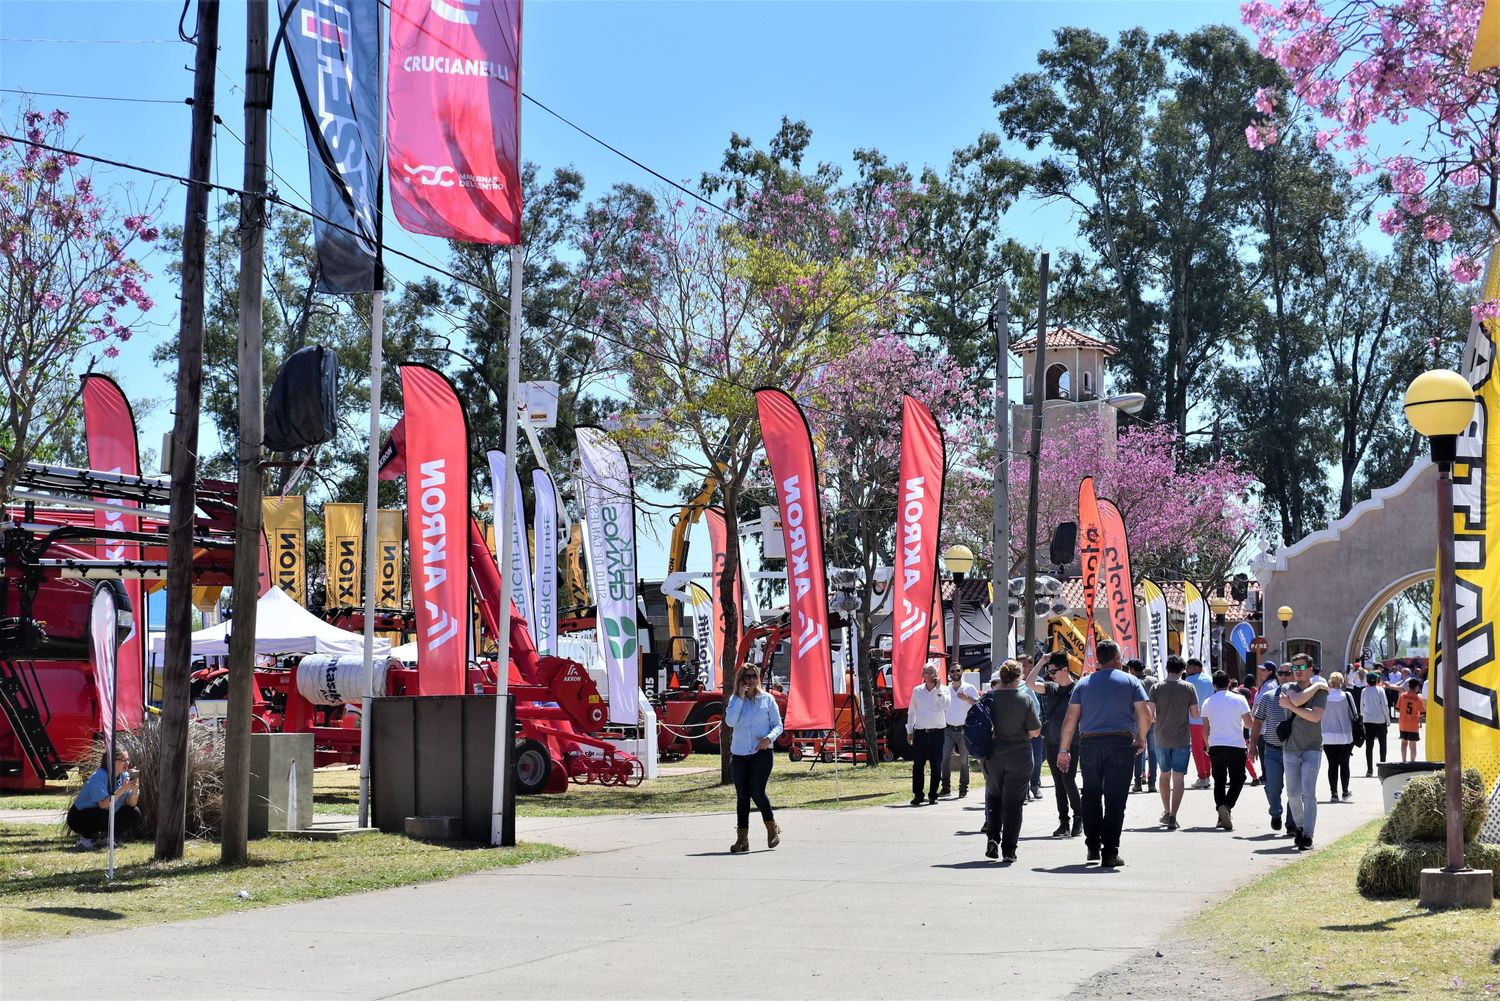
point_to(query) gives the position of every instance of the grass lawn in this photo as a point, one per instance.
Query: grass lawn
(1306, 929)
(47, 890)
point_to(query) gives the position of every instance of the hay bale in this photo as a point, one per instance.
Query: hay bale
(205, 779)
(1421, 814)
(1396, 870)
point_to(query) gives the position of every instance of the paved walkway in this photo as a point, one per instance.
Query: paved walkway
(870, 903)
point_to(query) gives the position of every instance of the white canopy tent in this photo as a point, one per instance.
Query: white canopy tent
(281, 627)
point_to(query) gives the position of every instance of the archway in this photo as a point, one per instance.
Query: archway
(1365, 621)
(1059, 383)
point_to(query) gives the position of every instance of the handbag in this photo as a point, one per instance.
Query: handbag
(1356, 720)
(1284, 728)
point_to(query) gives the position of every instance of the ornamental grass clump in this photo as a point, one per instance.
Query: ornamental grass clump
(205, 773)
(1414, 837)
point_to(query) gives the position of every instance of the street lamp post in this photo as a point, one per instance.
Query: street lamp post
(1440, 405)
(1219, 606)
(1284, 613)
(959, 560)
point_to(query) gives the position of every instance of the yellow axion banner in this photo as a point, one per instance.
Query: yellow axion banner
(388, 530)
(343, 554)
(1476, 530)
(286, 532)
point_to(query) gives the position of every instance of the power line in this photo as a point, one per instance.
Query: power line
(95, 97)
(93, 41)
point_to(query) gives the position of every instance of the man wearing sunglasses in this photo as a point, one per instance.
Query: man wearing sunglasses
(1269, 712)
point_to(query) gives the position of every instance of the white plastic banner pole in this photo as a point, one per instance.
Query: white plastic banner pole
(372, 502)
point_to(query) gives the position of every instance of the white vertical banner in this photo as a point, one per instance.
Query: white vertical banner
(544, 569)
(1154, 629)
(703, 631)
(609, 547)
(1194, 623)
(520, 562)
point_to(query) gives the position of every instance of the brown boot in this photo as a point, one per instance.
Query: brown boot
(741, 842)
(773, 834)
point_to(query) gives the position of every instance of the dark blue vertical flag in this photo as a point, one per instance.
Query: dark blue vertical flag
(334, 48)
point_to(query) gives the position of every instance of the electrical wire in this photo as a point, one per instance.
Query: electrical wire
(93, 41)
(94, 97)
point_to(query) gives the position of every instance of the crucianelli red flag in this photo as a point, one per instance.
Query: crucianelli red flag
(1119, 589)
(794, 468)
(920, 494)
(437, 523)
(454, 118)
(109, 430)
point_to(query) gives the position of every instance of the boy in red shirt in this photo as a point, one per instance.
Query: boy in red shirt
(1410, 711)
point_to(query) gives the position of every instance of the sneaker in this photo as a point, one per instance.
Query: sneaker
(1254, 782)
(1276, 822)
(1093, 854)
(962, 793)
(1303, 843)
(1292, 830)
(1347, 796)
(1165, 816)
(1223, 817)
(85, 844)
(1228, 820)
(1369, 775)
(1062, 830)
(1036, 793)
(1172, 824)
(917, 801)
(945, 791)
(1077, 827)
(1201, 784)
(931, 800)
(1112, 861)
(991, 849)
(1140, 785)
(1010, 856)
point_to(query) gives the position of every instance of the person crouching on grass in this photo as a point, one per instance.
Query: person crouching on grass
(755, 723)
(88, 817)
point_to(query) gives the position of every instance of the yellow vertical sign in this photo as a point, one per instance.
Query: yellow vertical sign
(388, 531)
(343, 554)
(286, 531)
(1476, 534)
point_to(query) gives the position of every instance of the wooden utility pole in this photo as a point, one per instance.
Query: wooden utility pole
(234, 843)
(1038, 403)
(171, 811)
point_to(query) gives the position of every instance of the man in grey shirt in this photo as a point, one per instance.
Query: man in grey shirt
(1176, 702)
(1302, 752)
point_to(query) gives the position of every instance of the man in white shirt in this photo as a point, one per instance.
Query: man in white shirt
(961, 697)
(926, 724)
(1226, 715)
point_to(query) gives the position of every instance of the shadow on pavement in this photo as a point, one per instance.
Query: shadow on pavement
(1075, 867)
(983, 863)
(94, 913)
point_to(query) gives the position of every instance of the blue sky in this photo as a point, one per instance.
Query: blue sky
(666, 82)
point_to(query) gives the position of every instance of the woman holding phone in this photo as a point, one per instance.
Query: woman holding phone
(756, 723)
(88, 817)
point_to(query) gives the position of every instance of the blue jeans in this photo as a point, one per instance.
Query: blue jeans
(1146, 760)
(1302, 769)
(1272, 770)
(1107, 763)
(1038, 757)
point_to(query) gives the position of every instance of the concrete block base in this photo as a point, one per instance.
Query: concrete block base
(434, 828)
(1470, 889)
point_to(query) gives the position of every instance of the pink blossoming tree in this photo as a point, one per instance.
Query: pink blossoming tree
(1377, 71)
(1182, 519)
(68, 284)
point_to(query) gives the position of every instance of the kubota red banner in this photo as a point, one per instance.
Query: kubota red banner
(809, 704)
(1088, 557)
(719, 554)
(454, 118)
(919, 515)
(1114, 573)
(109, 428)
(437, 523)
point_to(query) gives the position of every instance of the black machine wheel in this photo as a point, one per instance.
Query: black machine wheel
(700, 719)
(533, 766)
(895, 736)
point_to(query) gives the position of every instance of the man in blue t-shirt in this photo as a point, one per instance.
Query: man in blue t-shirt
(1111, 715)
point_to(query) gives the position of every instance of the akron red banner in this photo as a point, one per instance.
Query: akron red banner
(1119, 588)
(437, 523)
(109, 429)
(719, 554)
(809, 704)
(919, 515)
(454, 114)
(1088, 556)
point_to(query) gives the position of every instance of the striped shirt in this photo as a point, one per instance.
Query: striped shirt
(1268, 709)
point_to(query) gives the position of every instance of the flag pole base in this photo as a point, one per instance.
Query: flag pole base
(1467, 889)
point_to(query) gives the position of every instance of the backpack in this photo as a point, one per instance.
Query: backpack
(979, 729)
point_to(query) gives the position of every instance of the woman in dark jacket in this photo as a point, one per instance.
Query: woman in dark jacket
(1008, 770)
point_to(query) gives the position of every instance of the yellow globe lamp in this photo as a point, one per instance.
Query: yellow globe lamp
(1284, 613)
(1219, 605)
(1439, 403)
(959, 559)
